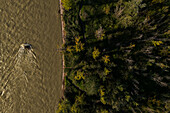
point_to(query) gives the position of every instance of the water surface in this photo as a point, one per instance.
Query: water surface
(30, 80)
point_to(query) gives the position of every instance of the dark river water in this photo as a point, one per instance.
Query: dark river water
(30, 79)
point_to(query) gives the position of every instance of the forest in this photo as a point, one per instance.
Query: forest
(117, 56)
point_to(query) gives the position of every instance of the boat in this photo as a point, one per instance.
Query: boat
(26, 46)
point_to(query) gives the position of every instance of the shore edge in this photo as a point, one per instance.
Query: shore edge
(63, 39)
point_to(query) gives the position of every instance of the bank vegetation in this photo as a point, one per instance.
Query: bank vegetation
(116, 56)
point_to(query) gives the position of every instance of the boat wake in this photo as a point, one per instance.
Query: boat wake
(21, 82)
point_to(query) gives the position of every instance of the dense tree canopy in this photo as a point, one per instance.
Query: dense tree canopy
(119, 51)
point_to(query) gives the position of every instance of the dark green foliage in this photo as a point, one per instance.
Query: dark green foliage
(124, 65)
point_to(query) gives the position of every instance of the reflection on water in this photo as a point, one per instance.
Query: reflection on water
(30, 79)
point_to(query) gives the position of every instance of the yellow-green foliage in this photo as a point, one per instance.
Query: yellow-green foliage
(167, 106)
(153, 101)
(162, 65)
(127, 97)
(104, 111)
(80, 98)
(120, 87)
(78, 101)
(157, 43)
(79, 46)
(62, 106)
(95, 53)
(126, 44)
(132, 45)
(69, 49)
(157, 1)
(102, 93)
(126, 12)
(106, 9)
(77, 39)
(75, 109)
(80, 75)
(67, 4)
(102, 36)
(106, 59)
(165, 51)
(153, 105)
(106, 71)
(167, 33)
(100, 33)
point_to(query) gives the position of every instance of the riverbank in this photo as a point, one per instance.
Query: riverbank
(63, 39)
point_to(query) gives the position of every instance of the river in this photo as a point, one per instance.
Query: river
(30, 80)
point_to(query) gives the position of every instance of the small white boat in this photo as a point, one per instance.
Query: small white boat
(26, 46)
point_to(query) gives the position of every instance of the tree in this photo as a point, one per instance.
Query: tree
(105, 59)
(67, 4)
(122, 66)
(96, 53)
